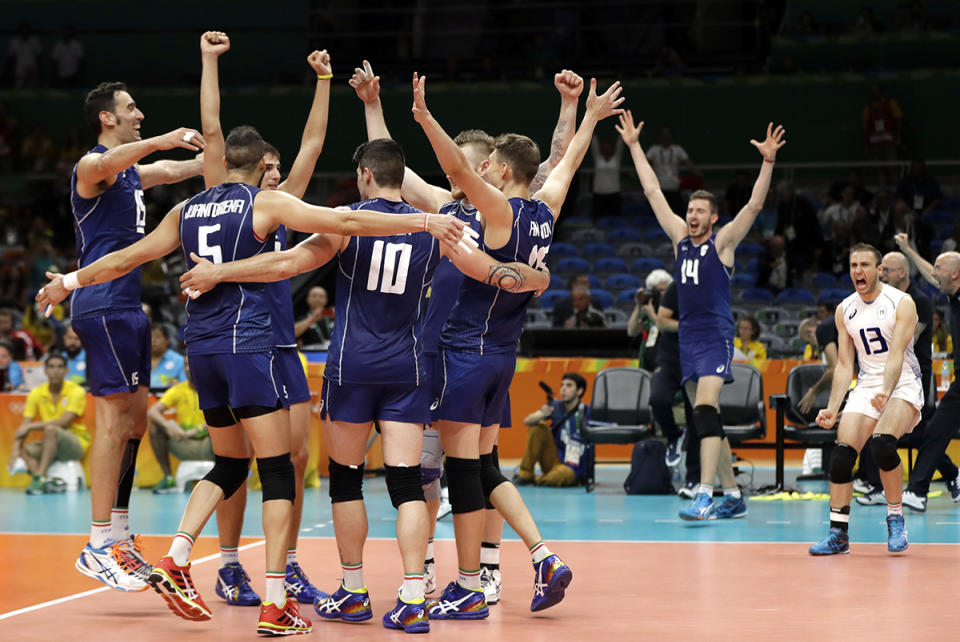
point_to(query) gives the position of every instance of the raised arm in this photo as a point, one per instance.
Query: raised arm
(731, 234)
(512, 277)
(160, 242)
(902, 337)
(554, 190)
(212, 45)
(570, 85)
(926, 269)
(673, 225)
(842, 374)
(315, 131)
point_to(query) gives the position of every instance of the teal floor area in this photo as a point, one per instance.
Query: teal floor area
(571, 514)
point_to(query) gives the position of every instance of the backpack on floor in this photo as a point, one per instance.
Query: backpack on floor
(649, 474)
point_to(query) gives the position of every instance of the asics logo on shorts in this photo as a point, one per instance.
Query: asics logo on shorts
(435, 404)
(720, 369)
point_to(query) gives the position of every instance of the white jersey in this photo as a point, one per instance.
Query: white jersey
(870, 326)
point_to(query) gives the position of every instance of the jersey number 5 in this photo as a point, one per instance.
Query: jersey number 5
(203, 249)
(877, 338)
(141, 212)
(690, 268)
(394, 260)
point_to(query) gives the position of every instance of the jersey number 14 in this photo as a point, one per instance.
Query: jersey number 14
(690, 268)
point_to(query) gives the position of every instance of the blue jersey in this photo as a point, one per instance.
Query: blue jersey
(381, 283)
(446, 282)
(103, 224)
(281, 301)
(703, 292)
(232, 317)
(486, 319)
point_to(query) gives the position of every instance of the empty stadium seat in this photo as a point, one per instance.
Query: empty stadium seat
(611, 222)
(604, 298)
(577, 220)
(743, 280)
(598, 249)
(587, 235)
(832, 295)
(596, 283)
(572, 264)
(610, 264)
(623, 234)
(756, 295)
(823, 280)
(559, 250)
(626, 298)
(794, 295)
(621, 281)
(616, 318)
(646, 264)
(536, 319)
(655, 234)
(750, 249)
(556, 283)
(549, 298)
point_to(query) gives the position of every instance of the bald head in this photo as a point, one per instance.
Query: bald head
(895, 270)
(947, 271)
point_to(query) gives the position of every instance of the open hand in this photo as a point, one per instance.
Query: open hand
(52, 293)
(569, 84)
(420, 111)
(772, 143)
(446, 229)
(319, 61)
(629, 132)
(365, 83)
(606, 103)
(806, 402)
(214, 43)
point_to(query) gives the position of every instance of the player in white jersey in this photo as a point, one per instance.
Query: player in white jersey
(877, 323)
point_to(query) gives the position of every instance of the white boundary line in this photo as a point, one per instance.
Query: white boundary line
(77, 596)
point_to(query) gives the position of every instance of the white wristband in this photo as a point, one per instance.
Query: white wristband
(70, 281)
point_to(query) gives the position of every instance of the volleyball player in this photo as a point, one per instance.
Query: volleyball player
(876, 323)
(704, 267)
(106, 197)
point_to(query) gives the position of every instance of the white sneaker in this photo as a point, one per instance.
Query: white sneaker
(19, 466)
(863, 487)
(101, 564)
(875, 497)
(490, 583)
(429, 577)
(914, 502)
(445, 507)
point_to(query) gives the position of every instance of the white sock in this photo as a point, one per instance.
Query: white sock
(100, 533)
(275, 591)
(180, 548)
(539, 552)
(732, 492)
(353, 576)
(229, 555)
(894, 509)
(429, 550)
(706, 488)
(291, 556)
(120, 519)
(490, 554)
(469, 579)
(412, 590)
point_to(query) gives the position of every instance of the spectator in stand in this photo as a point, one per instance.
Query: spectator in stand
(807, 333)
(860, 193)
(747, 341)
(37, 153)
(773, 272)
(738, 193)
(838, 249)
(317, 327)
(53, 408)
(942, 341)
(843, 211)
(23, 56)
(24, 345)
(881, 211)
(882, 124)
(76, 356)
(643, 320)
(919, 189)
(607, 199)
(68, 56)
(583, 313)
(906, 221)
(665, 158)
(11, 376)
(167, 365)
(864, 230)
(797, 224)
(564, 307)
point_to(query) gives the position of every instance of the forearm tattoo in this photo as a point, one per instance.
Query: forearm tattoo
(506, 277)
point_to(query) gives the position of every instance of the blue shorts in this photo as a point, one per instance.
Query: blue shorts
(360, 403)
(291, 375)
(475, 387)
(706, 358)
(236, 380)
(118, 351)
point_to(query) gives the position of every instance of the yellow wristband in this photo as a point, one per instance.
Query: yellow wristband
(324, 77)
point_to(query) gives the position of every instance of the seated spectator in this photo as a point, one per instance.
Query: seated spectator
(53, 408)
(11, 375)
(558, 447)
(24, 345)
(564, 307)
(317, 327)
(76, 357)
(186, 435)
(942, 341)
(748, 331)
(773, 272)
(166, 365)
(919, 189)
(582, 312)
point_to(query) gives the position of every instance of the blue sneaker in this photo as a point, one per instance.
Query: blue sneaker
(731, 508)
(896, 534)
(349, 606)
(673, 452)
(702, 508)
(458, 603)
(954, 487)
(551, 578)
(837, 541)
(233, 585)
(412, 618)
(299, 587)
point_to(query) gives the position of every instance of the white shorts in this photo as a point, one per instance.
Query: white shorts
(908, 388)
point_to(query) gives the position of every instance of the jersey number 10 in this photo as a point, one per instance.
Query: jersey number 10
(394, 259)
(690, 268)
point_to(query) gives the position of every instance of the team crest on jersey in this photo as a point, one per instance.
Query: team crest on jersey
(703, 250)
(881, 314)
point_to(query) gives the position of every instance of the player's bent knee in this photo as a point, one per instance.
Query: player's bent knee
(707, 420)
(430, 475)
(346, 483)
(842, 459)
(490, 476)
(884, 449)
(277, 477)
(464, 484)
(229, 473)
(432, 491)
(404, 484)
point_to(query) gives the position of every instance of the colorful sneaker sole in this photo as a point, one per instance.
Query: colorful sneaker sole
(555, 591)
(176, 601)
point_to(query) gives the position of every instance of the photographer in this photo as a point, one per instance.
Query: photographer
(558, 447)
(643, 319)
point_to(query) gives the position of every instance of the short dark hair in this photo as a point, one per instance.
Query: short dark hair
(754, 325)
(384, 158)
(866, 247)
(520, 153)
(162, 328)
(703, 194)
(103, 97)
(477, 137)
(270, 150)
(577, 380)
(55, 355)
(244, 148)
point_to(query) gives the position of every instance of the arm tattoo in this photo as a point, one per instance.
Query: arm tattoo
(506, 277)
(558, 145)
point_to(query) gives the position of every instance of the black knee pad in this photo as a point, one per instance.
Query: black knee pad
(249, 412)
(463, 482)
(229, 473)
(277, 477)
(404, 484)
(707, 421)
(490, 477)
(496, 464)
(884, 449)
(842, 459)
(346, 483)
(220, 417)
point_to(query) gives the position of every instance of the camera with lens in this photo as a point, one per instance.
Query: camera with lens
(646, 295)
